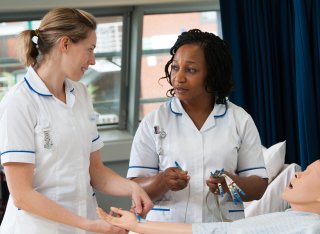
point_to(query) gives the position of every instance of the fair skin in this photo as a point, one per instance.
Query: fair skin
(307, 180)
(188, 73)
(128, 220)
(67, 59)
(303, 194)
(71, 60)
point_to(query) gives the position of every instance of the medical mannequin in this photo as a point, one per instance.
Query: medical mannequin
(195, 133)
(303, 194)
(49, 143)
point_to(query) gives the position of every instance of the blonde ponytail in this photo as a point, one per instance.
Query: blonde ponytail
(27, 50)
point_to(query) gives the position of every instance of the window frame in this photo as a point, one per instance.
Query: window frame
(136, 42)
(131, 53)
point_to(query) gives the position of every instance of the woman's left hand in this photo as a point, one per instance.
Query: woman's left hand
(142, 203)
(213, 184)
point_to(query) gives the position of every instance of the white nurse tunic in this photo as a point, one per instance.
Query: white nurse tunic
(228, 139)
(58, 138)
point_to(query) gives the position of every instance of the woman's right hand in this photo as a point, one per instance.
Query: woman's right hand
(175, 179)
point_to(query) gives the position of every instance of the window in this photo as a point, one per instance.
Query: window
(11, 70)
(133, 45)
(103, 79)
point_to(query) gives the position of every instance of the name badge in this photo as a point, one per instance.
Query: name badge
(47, 138)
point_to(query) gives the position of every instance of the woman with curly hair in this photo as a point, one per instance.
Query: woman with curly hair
(198, 156)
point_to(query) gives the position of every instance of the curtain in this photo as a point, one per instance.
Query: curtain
(275, 46)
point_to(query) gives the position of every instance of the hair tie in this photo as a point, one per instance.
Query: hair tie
(37, 31)
(35, 38)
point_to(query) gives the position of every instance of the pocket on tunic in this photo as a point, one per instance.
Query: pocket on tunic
(231, 210)
(168, 211)
(160, 212)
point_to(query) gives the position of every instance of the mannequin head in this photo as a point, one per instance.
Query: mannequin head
(303, 192)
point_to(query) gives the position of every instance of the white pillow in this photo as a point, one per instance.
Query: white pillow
(274, 159)
(271, 200)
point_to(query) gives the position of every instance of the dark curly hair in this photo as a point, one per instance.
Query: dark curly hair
(218, 58)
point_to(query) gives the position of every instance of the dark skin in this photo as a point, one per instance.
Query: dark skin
(188, 74)
(156, 186)
(253, 186)
(174, 179)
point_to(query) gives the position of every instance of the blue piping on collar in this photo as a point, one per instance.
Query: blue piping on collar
(32, 89)
(46, 95)
(225, 111)
(176, 113)
(216, 116)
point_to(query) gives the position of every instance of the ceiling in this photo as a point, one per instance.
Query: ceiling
(33, 5)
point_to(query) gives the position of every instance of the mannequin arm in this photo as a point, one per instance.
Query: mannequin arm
(128, 220)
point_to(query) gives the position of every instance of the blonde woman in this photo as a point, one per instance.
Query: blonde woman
(49, 143)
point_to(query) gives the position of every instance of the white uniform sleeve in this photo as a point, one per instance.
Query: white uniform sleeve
(17, 124)
(251, 160)
(144, 160)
